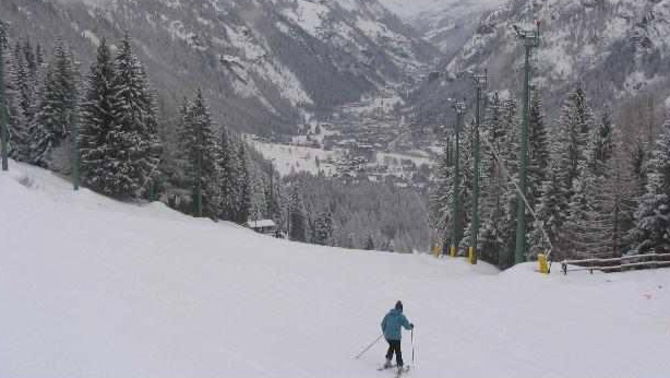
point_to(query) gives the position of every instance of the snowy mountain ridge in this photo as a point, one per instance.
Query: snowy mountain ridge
(412, 10)
(446, 24)
(264, 62)
(615, 48)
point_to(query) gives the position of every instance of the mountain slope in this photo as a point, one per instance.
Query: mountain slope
(448, 24)
(413, 10)
(616, 49)
(262, 63)
(95, 288)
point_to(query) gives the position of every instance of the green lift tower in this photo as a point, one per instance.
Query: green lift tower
(481, 83)
(457, 229)
(531, 40)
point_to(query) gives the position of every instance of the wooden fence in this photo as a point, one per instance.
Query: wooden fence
(619, 264)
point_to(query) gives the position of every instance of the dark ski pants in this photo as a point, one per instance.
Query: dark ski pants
(394, 347)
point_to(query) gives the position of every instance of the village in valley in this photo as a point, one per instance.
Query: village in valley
(371, 140)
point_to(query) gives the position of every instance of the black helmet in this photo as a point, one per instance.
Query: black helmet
(398, 306)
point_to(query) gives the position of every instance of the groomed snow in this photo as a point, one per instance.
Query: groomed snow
(91, 288)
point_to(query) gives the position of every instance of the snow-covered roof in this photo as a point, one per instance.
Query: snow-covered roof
(261, 223)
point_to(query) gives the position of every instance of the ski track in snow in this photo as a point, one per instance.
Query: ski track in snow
(91, 287)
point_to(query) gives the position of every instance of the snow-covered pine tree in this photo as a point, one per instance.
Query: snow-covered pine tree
(56, 109)
(494, 137)
(639, 159)
(621, 187)
(274, 197)
(370, 244)
(97, 121)
(588, 225)
(601, 146)
(658, 167)
(441, 195)
(570, 151)
(23, 82)
(571, 145)
(652, 218)
(510, 153)
(228, 163)
(538, 164)
(30, 57)
(501, 148)
(28, 78)
(538, 151)
(633, 170)
(134, 147)
(297, 216)
(510, 150)
(172, 186)
(242, 186)
(39, 56)
(322, 231)
(652, 224)
(30, 86)
(199, 156)
(27, 84)
(608, 189)
(259, 192)
(467, 185)
(4, 128)
(17, 125)
(550, 212)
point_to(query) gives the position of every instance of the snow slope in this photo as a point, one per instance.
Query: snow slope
(95, 288)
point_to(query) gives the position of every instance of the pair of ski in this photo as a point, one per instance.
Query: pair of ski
(400, 371)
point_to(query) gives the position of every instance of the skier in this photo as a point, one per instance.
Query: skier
(392, 333)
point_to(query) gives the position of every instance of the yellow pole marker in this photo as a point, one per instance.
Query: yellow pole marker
(542, 261)
(471, 256)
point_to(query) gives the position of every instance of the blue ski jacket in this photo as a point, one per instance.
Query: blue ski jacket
(392, 323)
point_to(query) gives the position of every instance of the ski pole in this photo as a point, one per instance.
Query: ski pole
(369, 347)
(412, 337)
